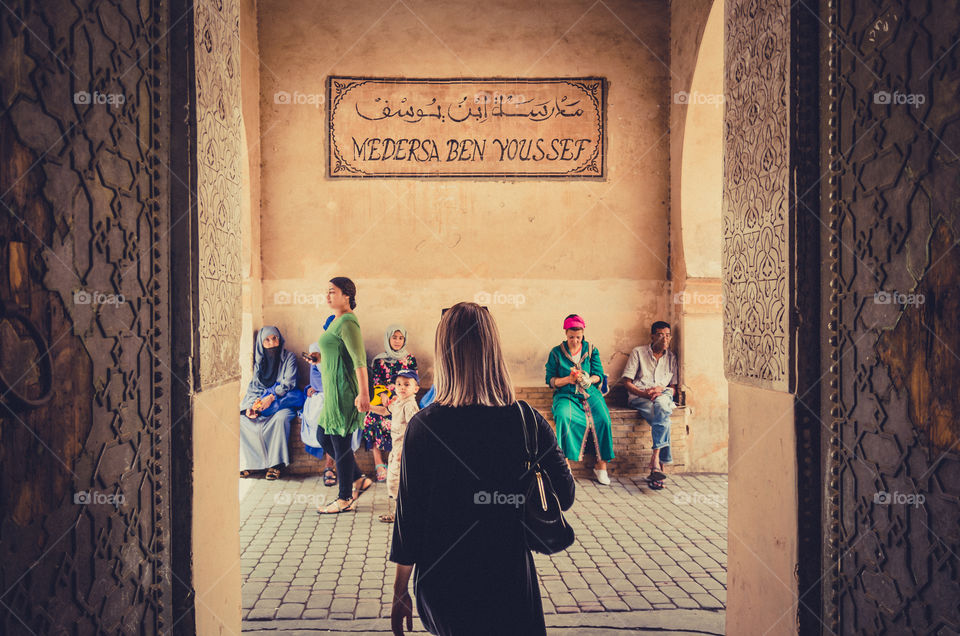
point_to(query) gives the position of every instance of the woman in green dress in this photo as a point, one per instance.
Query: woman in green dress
(574, 371)
(343, 366)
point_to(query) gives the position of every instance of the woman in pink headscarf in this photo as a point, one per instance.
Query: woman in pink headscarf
(574, 372)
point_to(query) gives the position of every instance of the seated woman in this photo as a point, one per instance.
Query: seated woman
(384, 369)
(270, 403)
(310, 415)
(573, 371)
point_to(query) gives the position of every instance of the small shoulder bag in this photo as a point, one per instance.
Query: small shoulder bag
(545, 528)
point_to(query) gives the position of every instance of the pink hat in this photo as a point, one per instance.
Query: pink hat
(574, 322)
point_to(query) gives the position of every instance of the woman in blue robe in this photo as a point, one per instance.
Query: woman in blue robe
(268, 406)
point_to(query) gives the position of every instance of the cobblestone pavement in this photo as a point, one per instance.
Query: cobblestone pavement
(638, 552)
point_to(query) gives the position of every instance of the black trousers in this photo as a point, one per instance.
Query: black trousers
(338, 447)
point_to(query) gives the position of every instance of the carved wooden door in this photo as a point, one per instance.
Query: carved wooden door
(891, 216)
(84, 345)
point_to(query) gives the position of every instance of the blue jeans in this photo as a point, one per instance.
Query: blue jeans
(657, 413)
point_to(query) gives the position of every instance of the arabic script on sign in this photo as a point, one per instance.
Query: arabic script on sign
(463, 127)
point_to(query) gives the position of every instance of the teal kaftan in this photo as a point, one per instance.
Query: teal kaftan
(574, 412)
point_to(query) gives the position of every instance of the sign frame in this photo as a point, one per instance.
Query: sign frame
(338, 168)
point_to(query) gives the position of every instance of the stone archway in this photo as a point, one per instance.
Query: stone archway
(696, 196)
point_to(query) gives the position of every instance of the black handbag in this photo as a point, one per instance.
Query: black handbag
(545, 528)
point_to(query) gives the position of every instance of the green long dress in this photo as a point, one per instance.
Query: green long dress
(341, 354)
(576, 413)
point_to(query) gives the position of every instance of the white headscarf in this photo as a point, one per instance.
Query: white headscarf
(388, 351)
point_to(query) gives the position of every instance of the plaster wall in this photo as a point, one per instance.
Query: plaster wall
(696, 156)
(762, 512)
(216, 511)
(216, 507)
(532, 250)
(250, 108)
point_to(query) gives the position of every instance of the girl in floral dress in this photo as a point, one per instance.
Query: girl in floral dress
(383, 371)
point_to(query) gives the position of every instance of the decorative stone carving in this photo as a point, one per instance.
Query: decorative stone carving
(756, 235)
(219, 191)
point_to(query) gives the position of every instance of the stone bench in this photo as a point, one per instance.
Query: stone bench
(632, 442)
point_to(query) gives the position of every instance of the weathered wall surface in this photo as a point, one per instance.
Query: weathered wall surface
(216, 511)
(763, 544)
(696, 156)
(762, 513)
(540, 249)
(228, 183)
(251, 269)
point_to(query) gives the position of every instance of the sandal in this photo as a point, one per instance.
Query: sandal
(655, 484)
(329, 477)
(359, 490)
(336, 507)
(656, 475)
(273, 474)
(386, 518)
(381, 474)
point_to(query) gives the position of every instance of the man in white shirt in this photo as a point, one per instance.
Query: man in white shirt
(651, 377)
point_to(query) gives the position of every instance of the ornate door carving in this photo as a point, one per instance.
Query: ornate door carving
(890, 192)
(84, 293)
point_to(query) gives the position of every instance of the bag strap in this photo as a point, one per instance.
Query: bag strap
(531, 453)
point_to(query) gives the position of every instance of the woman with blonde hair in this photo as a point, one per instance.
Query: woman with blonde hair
(463, 472)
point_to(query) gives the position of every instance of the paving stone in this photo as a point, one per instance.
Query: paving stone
(290, 610)
(296, 596)
(345, 605)
(707, 601)
(314, 614)
(367, 609)
(273, 591)
(636, 602)
(319, 601)
(622, 585)
(337, 568)
(575, 581)
(261, 614)
(653, 596)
